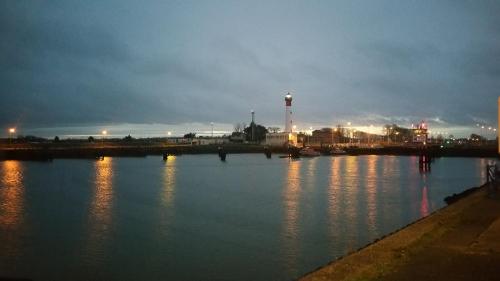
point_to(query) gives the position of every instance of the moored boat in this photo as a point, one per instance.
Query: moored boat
(337, 151)
(308, 152)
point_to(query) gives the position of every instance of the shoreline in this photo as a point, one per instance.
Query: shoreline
(83, 150)
(409, 253)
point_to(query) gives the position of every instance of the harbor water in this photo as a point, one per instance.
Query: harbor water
(194, 217)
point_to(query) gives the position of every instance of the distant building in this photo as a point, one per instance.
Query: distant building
(420, 133)
(328, 136)
(178, 140)
(238, 137)
(210, 141)
(197, 141)
(281, 139)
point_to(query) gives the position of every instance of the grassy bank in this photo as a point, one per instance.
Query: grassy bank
(458, 242)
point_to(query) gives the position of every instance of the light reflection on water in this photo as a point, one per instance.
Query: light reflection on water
(287, 214)
(100, 216)
(310, 176)
(333, 195)
(291, 196)
(11, 212)
(11, 195)
(169, 182)
(424, 208)
(167, 195)
(371, 192)
(351, 189)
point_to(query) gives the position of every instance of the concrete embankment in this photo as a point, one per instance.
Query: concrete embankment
(141, 148)
(458, 242)
(433, 151)
(48, 152)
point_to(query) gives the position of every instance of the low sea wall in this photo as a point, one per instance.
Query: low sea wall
(47, 151)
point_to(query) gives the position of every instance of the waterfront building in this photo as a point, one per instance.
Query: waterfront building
(329, 136)
(211, 141)
(420, 133)
(281, 139)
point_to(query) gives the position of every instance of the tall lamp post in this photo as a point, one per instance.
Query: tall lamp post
(331, 131)
(253, 125)
(212, 124)
(12, 131)
(309, 135)
(103, 133)
(349, 131)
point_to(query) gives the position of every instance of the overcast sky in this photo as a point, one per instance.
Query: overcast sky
(77, 64)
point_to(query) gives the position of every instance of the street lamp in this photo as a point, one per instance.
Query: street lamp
(169, 133)
(309, 135)
(370, 133)
(212, 124)
(349, 131)
(103, 134)
(11, 132)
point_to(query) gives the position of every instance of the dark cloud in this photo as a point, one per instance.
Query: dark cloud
(60, 72)
(399, 56)
(72, 63)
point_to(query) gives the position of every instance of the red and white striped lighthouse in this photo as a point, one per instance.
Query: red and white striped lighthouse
(288, 113)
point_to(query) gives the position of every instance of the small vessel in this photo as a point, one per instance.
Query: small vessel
(308, 152)
(337, 151)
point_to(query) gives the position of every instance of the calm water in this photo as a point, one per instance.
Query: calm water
(195, 218)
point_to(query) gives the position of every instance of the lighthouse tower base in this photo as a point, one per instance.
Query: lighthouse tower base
(281, 139)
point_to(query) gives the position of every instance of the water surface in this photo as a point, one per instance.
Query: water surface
(196, 218)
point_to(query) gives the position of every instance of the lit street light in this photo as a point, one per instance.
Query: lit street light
(169, 133)
(103, 134)
(11, 133)
(349, 131)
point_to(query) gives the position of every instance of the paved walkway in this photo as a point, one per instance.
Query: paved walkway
(459, 242)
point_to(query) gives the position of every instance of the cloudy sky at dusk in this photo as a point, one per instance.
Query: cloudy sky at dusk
(69, 66)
